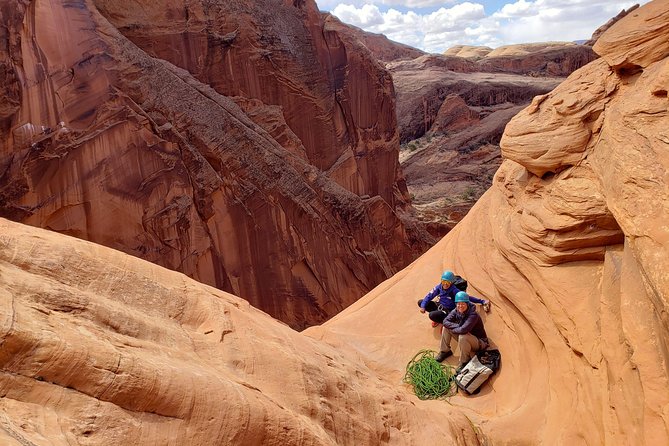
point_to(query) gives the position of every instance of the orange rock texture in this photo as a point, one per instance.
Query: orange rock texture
(571, 245)
(264, 163)
(101, 348)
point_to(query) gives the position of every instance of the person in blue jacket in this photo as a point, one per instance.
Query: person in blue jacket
(446, 292)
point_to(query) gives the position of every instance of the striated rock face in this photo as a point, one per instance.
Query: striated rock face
(422, 88)
(333, 95)
(257, 193)
(101, 348)
(558, 59)
(571, 246)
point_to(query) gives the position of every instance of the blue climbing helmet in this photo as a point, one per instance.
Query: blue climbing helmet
(461, 297)
(448, 276)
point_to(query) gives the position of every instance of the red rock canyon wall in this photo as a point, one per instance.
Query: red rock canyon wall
(103, 142)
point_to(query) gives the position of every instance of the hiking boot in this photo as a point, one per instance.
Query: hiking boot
(443, 355)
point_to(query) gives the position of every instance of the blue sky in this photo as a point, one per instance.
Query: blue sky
(436, 25)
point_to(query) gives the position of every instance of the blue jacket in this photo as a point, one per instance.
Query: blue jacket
(446, 297)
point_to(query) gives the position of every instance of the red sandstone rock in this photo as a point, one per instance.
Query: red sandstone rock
(557, 59)
(379, 45)
(97, 347)
(626, 48)
(105, 143)
(101, 348)
(453, 115)
(571, 245)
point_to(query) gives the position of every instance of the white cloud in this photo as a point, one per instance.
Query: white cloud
(519, 21)
(365, 17)
(518, 9)
(416, 3)
(456, 18)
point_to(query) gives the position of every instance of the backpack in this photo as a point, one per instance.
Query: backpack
(460, 283)
(478, 370)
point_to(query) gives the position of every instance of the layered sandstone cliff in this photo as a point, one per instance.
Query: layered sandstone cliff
(274, 176)
(571, 246)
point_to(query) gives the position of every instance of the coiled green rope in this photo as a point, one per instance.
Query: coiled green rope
(430, 379)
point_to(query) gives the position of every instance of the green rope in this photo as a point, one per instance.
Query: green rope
(430, 380)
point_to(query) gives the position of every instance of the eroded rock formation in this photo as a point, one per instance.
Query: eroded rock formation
(101, 348)
(449, 160)
(97, 347)
(449, 166)
(599, 31)
(468, 51)
(379, 45)
(249, 179)
(571, 246)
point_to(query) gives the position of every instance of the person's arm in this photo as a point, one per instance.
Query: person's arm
(476, 300)
(429, 296)
(449, 321)
(466, 327)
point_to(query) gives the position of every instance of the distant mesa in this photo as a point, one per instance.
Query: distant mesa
(468, 51)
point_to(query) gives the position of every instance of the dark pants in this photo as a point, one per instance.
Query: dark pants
(435, 313)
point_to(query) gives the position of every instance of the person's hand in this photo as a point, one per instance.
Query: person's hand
(486, 306)
(422, 310)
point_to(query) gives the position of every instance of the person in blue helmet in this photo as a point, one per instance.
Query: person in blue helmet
(446, 291)
(465, 325)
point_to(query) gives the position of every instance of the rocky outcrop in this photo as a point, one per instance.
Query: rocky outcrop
(283, 192)
(557, 59)
(571, 246)
(97, 347)
(450, 125)
(101, 348)
(599, 31)
(468, 51)
(422, 89)
(381, 47)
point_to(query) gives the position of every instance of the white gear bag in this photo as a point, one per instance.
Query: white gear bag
(478, 370)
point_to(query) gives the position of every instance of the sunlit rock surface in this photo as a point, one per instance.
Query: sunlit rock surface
(571, 245)
(101, 348)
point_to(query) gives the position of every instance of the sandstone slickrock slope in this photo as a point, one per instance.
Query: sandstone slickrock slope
(274, 176)
(571, 245)
(97, 347)
(101, 348)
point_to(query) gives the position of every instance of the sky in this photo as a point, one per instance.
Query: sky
(436, 25)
